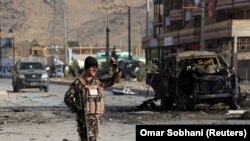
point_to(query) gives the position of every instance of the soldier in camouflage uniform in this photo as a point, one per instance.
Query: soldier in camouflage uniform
(90, 88)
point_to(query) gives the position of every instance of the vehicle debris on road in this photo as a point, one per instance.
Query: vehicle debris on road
(124, 91)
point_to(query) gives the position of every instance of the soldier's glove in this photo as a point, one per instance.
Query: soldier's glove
(80, 110)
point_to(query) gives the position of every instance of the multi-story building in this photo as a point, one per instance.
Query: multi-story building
(221, 25)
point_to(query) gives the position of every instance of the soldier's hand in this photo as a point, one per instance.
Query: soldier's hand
(113, 61)
(76, 109)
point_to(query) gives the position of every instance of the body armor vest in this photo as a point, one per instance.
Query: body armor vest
(94, 98)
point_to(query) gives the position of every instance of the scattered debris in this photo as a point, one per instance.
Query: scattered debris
(148, 104)
(246, 115)
(66, 140)
(17, 109)
(236, 112)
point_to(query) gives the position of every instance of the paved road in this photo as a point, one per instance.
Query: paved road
(34, 97)
(36, 115)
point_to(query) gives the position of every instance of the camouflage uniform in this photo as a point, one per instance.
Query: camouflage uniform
(93, 119)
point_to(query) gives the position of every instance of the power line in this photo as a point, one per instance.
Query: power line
(109, 5)
(127, 13)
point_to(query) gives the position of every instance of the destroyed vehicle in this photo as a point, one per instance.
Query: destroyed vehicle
(30, 74)
(194, 77)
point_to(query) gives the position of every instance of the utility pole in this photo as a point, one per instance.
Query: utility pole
(58, 25)
(147, 17)
(129, 34)
(1, 52)
(107, 9)
(128, 13)
(107, 36)
(65, 34)
(139, 40)
(53, 24)
(13, 49)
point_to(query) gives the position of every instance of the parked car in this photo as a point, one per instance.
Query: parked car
(59, 73)
(30, 74)
(186, 79)
(128, 68)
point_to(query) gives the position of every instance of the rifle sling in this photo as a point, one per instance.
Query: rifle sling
(83, 82)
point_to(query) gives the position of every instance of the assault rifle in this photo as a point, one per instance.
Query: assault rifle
(82, 112)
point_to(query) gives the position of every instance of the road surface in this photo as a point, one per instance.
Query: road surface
(33, 115)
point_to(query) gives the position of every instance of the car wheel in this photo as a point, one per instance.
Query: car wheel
(16, 89)
(183, 102)
(236, 100)
(166, 103)
(46, 88)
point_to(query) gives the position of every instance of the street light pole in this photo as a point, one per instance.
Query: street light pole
(13, 48)
(129, 34)
(107, 36)
(65, 35)
(128, 13)
(1, 53)
(107, 8)
(147, 14)
(140, 40)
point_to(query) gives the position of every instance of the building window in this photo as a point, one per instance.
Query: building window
(243, 44)
(38, 52)
(35, 52)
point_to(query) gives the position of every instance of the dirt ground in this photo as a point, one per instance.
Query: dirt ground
(57, 123)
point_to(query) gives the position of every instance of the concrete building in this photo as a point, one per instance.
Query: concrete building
(219, 25)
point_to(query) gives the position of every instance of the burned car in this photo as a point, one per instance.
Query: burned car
(193, 77)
